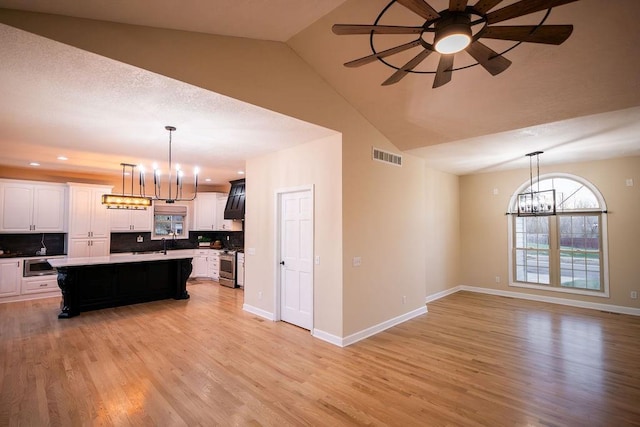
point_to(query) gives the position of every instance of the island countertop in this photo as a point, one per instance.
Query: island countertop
(121, 258)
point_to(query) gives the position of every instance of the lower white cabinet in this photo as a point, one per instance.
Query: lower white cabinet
(10, 273)
(40, 284)
(205, 264)
(88, 247)
(240, 269)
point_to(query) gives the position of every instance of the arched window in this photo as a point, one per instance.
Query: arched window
(565, 252)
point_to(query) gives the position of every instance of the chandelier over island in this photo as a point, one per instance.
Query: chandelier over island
(142, 201)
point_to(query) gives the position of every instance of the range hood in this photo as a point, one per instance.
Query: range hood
(235, 202)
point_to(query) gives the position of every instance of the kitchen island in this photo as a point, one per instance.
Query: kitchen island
(120, 279)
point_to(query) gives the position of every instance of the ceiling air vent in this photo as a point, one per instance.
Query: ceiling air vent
(386, 157)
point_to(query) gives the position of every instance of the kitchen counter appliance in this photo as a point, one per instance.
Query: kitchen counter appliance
(227, 268)
(37, 267)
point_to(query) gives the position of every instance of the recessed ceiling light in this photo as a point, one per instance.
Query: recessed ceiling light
(34, 164)
(63, 158)
(207, 179)
(240, 172)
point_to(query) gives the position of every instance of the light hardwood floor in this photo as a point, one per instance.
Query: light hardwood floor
(472, 360)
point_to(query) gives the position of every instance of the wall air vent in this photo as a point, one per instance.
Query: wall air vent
(386, 157)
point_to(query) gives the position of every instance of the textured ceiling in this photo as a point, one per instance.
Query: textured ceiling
(578, 101)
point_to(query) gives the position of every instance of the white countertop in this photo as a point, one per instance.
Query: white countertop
(121, 258)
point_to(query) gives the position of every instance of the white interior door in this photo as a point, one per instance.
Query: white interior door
(296, 258)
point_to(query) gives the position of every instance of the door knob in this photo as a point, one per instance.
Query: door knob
(281, 262)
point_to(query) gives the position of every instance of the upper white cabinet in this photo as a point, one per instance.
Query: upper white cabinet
(205, 212)
(89, 228)
(208, 213)
(87, 216)
(123, 220)
(28, 207)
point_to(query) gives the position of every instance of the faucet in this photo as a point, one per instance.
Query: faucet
(164, 245)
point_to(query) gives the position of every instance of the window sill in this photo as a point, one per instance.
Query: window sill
(601, 294)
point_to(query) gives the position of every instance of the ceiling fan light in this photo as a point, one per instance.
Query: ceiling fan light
(452, 39)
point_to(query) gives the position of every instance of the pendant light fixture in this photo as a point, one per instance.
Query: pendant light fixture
(127, 201)
(176, 196)
(536, 203)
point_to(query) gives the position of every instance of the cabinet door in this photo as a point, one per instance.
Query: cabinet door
(17, 207)
(199, 266)
(240, 270)
(48, 208)
(79, 248)
(141, 219)
(9, 278)
(99, 247)
(205, 212)
(80, 202)
(222, 224)
(99, 214)
(120, 220)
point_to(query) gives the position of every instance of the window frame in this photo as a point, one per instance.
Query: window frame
(554, 236)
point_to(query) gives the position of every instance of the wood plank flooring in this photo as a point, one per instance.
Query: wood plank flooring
(472, 360)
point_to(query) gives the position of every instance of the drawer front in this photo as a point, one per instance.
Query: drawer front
(34, 286)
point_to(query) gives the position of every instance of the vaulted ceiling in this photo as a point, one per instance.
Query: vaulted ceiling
(577, 101)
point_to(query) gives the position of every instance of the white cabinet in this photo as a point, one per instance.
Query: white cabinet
(10, 277)
(199, 263)
(240, 269)
(89, 231)
(205, 212)
(123, 220)
(88, 248)
(205, 263)
(30, 207)
(41, 284)
(208, 213)
(213, 264)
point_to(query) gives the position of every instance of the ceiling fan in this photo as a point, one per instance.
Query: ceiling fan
(458, 28)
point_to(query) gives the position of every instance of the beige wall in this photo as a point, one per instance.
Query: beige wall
(442, 236)
(317, 164)
(484, 226)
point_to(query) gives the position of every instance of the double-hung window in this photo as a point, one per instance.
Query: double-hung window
(565, 252)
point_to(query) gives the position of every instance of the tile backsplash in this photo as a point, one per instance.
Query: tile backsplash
(28, 244)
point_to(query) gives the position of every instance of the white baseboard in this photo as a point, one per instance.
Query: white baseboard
(258, 312)
(365, 333)
(441, 294)
(541, 298)
(330, 338)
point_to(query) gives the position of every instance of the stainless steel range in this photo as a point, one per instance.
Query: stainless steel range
(228, 268)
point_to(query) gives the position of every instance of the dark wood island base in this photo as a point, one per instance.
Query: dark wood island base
(96, 286)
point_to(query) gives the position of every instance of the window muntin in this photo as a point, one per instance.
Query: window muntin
(563, 252)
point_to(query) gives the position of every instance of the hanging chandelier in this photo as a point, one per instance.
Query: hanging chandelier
(536, 203)
(176, 196)
(127, 201)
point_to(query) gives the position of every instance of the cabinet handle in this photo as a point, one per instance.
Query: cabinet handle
(44, 285)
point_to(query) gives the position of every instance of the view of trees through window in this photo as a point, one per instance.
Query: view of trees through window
(564, 250)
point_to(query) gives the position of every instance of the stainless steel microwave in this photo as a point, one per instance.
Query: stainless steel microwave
(37, 267)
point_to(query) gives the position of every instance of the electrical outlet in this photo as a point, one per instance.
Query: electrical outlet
(140, 239)
(634, 295)
(495, 191)
(404, 299)
(317, 259)
(357, 261)
(260, 295)
(498, 279)
(629, 182)
(251, 251)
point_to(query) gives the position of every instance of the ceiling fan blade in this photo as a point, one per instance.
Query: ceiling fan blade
(398, 75)
(488, 58)
(548, 34)
(443, 73)
(523, 7)
(382, 54)
(350, 29)
(458, 5)
(483, 6)
(421, 8)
